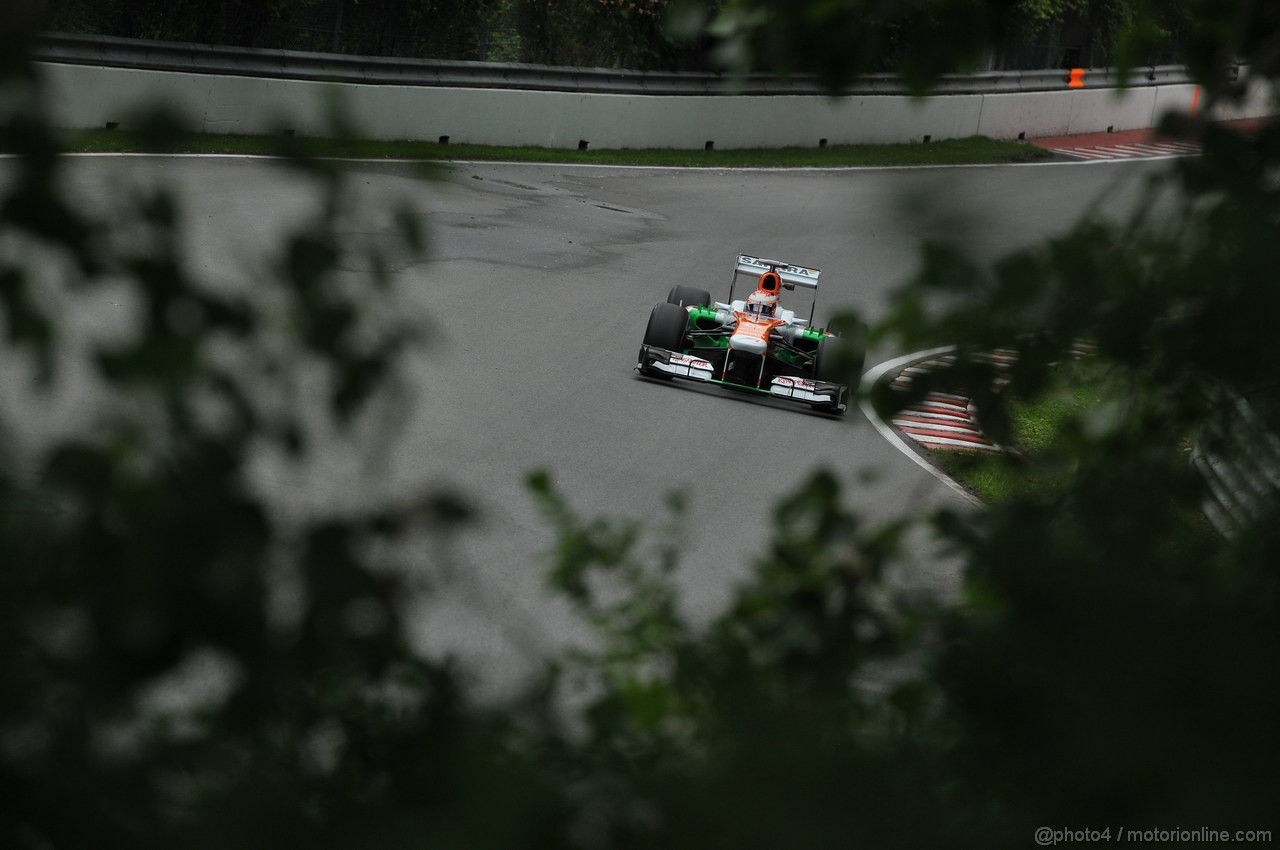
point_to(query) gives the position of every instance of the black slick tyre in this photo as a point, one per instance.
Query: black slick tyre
(667, 326)
(839, 360)
(831, 361)
(688, 296)
(666, 329)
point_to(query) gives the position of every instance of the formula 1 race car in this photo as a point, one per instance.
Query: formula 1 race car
(752, 344)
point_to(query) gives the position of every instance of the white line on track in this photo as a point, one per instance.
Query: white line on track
(1120, 153)
(1082, 153)
(1121, 150)
(1161, 148)
(1137, 150)
(1127, 149)
(705, 168)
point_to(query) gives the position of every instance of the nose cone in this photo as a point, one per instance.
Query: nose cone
(748, 344)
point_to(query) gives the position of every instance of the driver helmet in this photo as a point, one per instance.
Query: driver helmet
(762, 304)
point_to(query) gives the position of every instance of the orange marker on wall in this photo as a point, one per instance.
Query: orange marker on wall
(1076, 79)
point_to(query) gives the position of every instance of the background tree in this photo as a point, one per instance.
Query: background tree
(603, 33)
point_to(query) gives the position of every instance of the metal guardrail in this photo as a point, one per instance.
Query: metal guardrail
(104, 51)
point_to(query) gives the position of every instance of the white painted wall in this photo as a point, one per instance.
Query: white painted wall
(85, 97)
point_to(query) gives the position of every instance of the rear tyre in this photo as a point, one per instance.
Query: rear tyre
(666, 329)
(688, 296)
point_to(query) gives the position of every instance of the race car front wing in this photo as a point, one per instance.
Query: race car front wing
(678, 365)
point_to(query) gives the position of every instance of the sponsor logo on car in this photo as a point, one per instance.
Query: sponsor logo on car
(798, 383)
(693, 362)
(796, 270)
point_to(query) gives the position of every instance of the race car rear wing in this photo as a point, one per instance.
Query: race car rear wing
(791, 275)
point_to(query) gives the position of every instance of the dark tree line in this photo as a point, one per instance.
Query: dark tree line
(1110, 665)
(605, 33)
(615, 33)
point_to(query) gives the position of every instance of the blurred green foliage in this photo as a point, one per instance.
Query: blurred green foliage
(182, 665)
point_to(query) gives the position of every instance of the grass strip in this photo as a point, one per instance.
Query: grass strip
(992, 479)
(1036, 425)
(1041, 427)
(973, 150)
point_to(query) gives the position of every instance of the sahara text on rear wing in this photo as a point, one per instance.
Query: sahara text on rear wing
(790, 274)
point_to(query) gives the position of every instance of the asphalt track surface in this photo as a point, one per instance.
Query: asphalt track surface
(537, 288)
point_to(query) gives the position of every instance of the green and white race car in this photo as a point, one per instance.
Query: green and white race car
(753, 344)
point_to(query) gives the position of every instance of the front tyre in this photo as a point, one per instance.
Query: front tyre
(666, 329)
(834, 361)
(667, 326)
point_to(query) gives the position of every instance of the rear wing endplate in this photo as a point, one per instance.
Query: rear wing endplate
(798, 275)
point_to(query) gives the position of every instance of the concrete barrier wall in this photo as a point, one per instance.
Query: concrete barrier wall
(1258, 101)
(86, 96)
(1064, 113)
